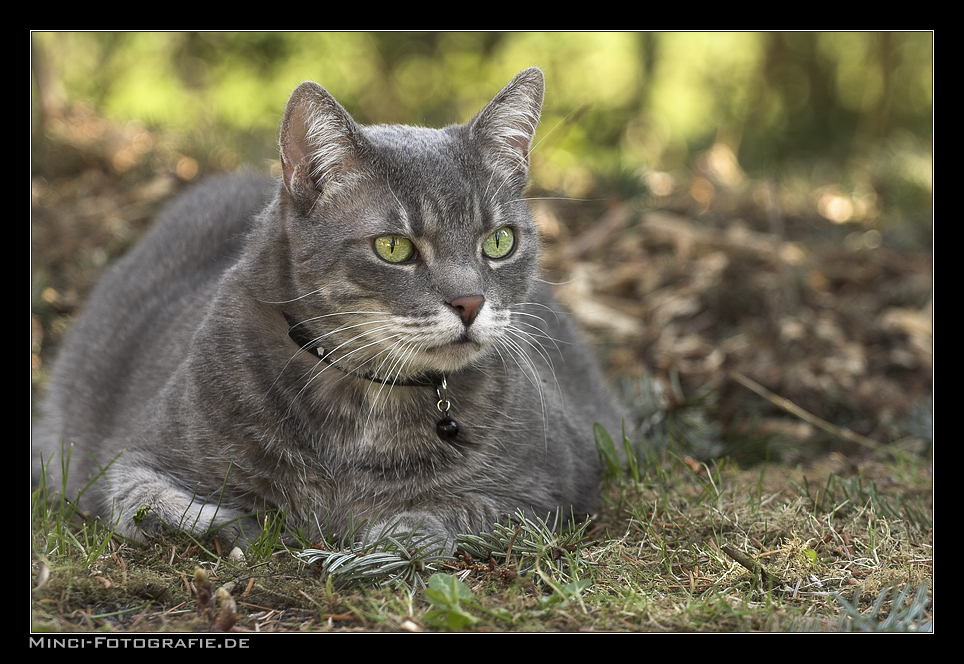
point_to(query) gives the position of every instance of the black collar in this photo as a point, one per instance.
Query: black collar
(447, 428)
(309, 345)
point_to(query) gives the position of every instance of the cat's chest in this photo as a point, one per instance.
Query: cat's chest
(390, 454)
(395, 424)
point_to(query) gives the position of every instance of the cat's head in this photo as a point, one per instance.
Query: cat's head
(410, 248)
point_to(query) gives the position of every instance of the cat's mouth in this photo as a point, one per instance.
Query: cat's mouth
(456, 353)
(463, 343)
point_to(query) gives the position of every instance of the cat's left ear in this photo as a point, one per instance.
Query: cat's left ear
(321, 145)
(506, 126)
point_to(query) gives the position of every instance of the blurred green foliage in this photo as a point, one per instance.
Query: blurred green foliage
(617, 102)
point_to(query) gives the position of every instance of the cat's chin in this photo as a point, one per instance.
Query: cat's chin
(455, 355)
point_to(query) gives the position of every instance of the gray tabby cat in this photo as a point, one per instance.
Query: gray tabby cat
(366, 339)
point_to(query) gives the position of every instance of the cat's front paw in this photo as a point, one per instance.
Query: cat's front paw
(152, 518)
(146, 505)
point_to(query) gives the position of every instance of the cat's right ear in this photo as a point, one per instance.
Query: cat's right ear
(321, 145)
(506, 127)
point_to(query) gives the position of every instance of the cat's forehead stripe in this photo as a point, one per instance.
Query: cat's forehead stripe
(437, 216)
(405, 221)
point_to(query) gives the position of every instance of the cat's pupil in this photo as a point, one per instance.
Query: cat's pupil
(499, 244)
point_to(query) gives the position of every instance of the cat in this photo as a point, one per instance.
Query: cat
(363, 340)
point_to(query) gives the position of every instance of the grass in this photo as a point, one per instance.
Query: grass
(678, 546)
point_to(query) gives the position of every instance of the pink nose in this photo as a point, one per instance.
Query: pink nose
(467, 307)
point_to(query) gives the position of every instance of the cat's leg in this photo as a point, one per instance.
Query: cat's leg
(145, 503)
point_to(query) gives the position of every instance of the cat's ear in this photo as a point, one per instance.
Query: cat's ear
(506, 126)
(321, 145)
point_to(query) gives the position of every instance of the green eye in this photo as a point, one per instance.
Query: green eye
(394, 249)
(500, 244)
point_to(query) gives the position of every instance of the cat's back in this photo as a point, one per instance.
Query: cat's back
(145, 302)
(200, 235)
(202, 231)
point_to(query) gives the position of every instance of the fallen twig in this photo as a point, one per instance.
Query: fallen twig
(769, 579)
(794, 409)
